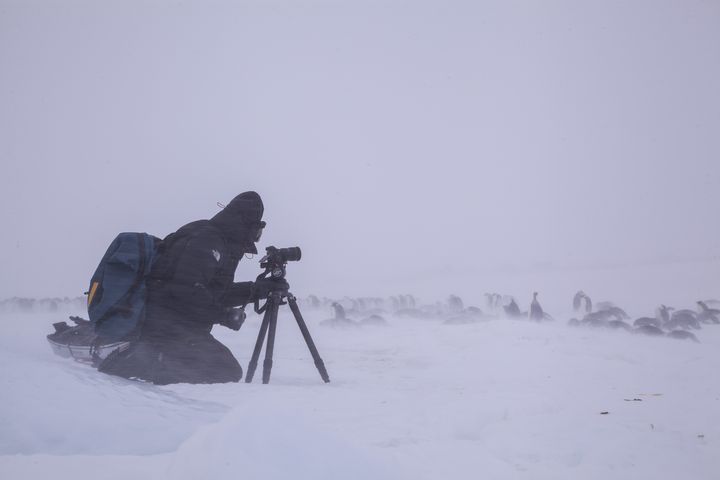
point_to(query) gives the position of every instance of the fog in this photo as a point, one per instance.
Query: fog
(423, 146)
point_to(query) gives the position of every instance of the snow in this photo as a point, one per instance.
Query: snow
(415, 399)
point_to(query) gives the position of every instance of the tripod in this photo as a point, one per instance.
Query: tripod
(269, 324)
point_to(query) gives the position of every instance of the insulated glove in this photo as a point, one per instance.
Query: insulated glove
(234, 318)
(264, 286)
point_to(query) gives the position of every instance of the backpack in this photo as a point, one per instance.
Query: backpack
(116, 298)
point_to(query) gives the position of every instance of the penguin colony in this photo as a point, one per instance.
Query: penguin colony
(681, 324)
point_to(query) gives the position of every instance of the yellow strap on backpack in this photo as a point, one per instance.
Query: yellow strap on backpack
(93, 289)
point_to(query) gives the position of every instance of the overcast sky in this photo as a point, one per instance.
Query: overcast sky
(390, 140)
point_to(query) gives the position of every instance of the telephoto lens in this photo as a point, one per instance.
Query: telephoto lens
(290, 254)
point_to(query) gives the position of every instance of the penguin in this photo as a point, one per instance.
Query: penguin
(536, 311)
(494, 301)
(489, 301)
(512, 310)
(683, 335)
(642, 321)
(403, 302)
(617, 312)
(455, 304)
(619, 325)
(685, 319)
(663, 314)
(707, 314)
(474, 311)
(339, 320)
(412, 303)
(649, 330)
(339, 311)
(596, 319)
(395, 303)
(604, 305)
(334, 323)
(314, 301)
(580, 298)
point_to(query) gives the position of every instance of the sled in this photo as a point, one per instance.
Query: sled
(81, 342)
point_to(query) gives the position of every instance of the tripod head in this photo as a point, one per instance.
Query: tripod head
(276, 259)
(275, 262)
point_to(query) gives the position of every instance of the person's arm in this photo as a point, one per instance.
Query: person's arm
(242, 293)
(239, 293)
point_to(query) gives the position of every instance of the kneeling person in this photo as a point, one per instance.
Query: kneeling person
(190, 289)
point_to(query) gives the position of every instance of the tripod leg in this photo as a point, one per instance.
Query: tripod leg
(258, 346)
(270, 347)
(319, 364)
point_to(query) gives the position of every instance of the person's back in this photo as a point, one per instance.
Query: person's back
(175, 304)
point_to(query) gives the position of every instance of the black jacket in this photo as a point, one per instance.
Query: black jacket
(191, 284)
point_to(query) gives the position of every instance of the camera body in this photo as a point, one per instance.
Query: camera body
(276, 259)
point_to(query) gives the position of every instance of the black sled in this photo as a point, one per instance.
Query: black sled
(81, 343)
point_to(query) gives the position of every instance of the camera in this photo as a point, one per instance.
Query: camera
(275, 260)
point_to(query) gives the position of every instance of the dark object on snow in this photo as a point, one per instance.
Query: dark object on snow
(663, 314)
(581, 298)
(707, 314)
(190, 289)
(512, 310)
(683, 335)
(619, 325)
(314, 301)
(596, 319)
(612, 310)
(455, 304)
(493, 301)
(618, 313)
(339, 311)
(686, 319)
(643, 321)
(536, 311)
(649, 330)
(339, 319)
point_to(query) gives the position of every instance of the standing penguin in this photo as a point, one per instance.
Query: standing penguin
(339, 311)
(707, 314)
(536, 311)
(580, 298)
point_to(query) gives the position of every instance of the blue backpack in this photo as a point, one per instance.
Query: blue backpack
(116, 298)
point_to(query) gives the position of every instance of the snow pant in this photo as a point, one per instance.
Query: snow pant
(196, 358)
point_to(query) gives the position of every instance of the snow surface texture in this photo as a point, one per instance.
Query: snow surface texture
(414, 399)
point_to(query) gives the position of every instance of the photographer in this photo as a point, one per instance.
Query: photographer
(190, 289)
